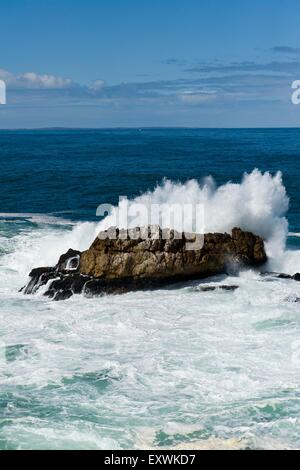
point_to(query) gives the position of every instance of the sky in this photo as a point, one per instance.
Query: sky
(142, 63)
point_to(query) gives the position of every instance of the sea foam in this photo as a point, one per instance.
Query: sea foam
(258, 204)
(220, 369)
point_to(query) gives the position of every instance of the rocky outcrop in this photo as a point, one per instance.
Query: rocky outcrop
(166, 255)
(146, 258)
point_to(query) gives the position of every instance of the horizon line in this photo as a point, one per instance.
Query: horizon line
(58, 128)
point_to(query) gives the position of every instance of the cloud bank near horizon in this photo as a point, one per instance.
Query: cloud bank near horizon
(210, 87)
(244, 80)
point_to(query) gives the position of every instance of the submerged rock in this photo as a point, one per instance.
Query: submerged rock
(294, 277)
(221, 287)
(292, 298)
(146, 258)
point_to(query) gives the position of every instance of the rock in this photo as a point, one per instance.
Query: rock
(213, 288)
(136, 262)
(63, 295)
(161, 258)
(64, 276)
(69, 261)
(295, 277)
(292, 298)
(39, 277)
(67, 282)
(284, 276)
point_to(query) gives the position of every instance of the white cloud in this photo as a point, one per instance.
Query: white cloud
(34, 81)
(5, 75)
(97, 85)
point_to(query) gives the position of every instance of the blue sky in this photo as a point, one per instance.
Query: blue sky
(107, 63)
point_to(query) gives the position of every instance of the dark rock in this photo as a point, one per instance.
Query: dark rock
(268, 273)
(64, 282)
(63, 295)
(213, 288)
(93, 288)
(50, 293)
(73, 282)
(38, 278)
(98, 287)
(284, 276)
(78, 283)
(69, 261)
(37, 272)
(295, 277)
(292, 298)
(62, 279)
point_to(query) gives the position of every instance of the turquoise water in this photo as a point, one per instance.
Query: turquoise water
(148, 369)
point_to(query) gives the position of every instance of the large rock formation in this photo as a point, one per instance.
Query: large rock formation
(147, 258)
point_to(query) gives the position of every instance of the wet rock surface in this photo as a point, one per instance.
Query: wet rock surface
(274, 275)
(214, 288)
(146, 258)
(292, 298)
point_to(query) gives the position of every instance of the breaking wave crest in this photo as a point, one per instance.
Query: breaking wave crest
(258, 203)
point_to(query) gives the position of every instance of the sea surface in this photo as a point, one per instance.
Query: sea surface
(174, 368)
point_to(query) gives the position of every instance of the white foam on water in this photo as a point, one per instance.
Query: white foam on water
(157, 369)
(194, 364)
(35, 218)
(258, 204)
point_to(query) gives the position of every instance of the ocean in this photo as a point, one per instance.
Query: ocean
(172, 368)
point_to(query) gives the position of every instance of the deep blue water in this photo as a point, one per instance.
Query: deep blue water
(73, 171)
